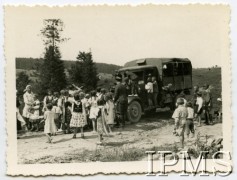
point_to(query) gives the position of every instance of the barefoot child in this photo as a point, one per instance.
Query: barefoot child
(50, 126)
(93, 109)
(78, 119)
(109, 111)
(34, 115)
(190, 118)
(180, 115)
(68, 116)
(101, 126)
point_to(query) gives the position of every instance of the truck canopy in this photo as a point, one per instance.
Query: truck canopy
(158, 62)
(175, 71)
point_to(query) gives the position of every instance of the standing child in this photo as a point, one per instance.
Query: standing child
(180, 115)
(87, 109)
(50, 126)
(190, 118)
(34, 116)
(94, 109)
(109, 111)
(57, 110)
(78, 119)
(68, 116)
(101, 125)
(47, 99)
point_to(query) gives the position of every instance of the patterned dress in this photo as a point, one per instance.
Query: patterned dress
(78, 115)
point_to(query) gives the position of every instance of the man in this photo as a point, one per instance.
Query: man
(207, 98)
(121, 99)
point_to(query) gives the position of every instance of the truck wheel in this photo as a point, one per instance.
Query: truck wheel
(134, 112)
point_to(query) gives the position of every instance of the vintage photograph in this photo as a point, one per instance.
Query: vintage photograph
(106, 84)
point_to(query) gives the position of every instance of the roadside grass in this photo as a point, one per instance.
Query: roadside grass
(101, 154)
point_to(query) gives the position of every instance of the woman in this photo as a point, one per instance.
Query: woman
(29, 101)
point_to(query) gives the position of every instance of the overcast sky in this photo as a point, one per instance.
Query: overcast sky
(119, 34)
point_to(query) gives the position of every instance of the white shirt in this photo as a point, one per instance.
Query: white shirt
(149, 87)
(199, 102)
(190, 113)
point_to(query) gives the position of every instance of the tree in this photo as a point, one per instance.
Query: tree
(84, 72)
(21, 82)
(52, 72)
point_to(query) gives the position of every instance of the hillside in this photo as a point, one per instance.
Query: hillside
(31, 64)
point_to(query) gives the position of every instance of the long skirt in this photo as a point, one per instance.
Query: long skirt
(78, 120)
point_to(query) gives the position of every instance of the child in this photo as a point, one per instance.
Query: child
(68, 116)
(109, 111)
(180, 115)
(94, 109)
(87, 108)
(50, 126)
(218, 112)
(78, 119)
(199, 107)
(189, 121)
(34, 115)
(101, 129)
(57, 110)
(47, 99)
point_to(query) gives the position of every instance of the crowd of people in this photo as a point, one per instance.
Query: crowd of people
(73, 110)
(187, 112)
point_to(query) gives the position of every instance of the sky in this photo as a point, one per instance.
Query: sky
(119, 34)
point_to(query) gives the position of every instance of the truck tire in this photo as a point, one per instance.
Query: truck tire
(134, 112)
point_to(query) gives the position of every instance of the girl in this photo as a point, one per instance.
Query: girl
(109, 111)
(57, 110)
(50, 126)
(78, 119)
(101, 129)
(47, 99)
(34, 116)
(68, 116)
(87, 108)
(94, 109)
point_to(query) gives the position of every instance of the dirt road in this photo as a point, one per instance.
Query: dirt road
(151, 133)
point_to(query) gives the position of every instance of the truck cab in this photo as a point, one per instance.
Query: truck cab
(168, 71)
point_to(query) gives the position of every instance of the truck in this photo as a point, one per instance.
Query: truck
(175, 73)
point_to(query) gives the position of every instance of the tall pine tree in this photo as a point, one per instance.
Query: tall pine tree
(84, 73)
(52, 71)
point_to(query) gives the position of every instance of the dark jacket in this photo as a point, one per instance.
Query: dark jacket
(120, 94)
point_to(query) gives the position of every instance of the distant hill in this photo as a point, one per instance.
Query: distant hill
(31, 64)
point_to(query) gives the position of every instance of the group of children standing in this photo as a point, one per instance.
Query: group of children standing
(187, 112)
(70, 112)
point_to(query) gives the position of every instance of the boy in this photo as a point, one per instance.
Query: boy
(189, 122)
(180, 115)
